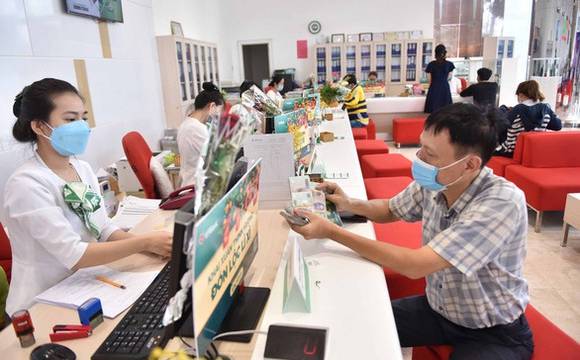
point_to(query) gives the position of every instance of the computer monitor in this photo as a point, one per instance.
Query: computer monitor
(224, 244)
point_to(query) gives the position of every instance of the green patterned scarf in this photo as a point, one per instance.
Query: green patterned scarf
(83, 201)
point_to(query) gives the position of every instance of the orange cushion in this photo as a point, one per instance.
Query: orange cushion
(385, 165)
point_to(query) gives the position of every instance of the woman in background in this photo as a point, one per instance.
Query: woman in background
(53, 208)
(274, 88)
(193, 132)
(355, 102)
(439, 72)
(531, 114)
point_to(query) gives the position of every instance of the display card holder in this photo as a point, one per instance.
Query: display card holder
(296, 281)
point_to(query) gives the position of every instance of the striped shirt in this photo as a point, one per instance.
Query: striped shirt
(355, 104)
(483, 237)
(528, 116)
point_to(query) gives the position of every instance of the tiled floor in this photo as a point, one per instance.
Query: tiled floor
(553, 272)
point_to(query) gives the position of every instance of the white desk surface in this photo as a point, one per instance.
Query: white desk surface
(352, 300)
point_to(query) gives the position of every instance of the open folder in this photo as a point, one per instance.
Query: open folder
(83, 285)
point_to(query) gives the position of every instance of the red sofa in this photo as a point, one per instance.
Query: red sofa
(498, 164)
(549, 342)
(397, 233)
(406, 131)
(549, 170)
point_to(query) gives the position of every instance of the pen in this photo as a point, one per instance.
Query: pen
(106, 280)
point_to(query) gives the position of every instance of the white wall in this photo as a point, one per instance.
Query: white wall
(227, 22)
(38, 39)
(517, 22)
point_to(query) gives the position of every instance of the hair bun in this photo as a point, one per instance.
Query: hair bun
(209, 86)
(18, 103)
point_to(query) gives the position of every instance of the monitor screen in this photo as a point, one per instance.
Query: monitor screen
(108, 10)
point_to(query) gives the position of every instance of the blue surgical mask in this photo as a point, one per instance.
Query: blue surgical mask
(426, 174)
(280, 87)
(70, 139)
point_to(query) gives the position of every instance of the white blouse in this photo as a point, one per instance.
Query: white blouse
(46, 236)
(191, 137)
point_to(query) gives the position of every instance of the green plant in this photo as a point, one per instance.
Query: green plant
(329, 94)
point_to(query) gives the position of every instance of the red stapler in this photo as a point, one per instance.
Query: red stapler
(69, 332)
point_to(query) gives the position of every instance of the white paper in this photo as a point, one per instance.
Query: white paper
(132, 210)
(276, 152)
(82, 285)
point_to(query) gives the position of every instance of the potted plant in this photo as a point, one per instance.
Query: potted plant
(329, 96)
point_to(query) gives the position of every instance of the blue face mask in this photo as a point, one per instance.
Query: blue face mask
(70, 139)
(426, 175)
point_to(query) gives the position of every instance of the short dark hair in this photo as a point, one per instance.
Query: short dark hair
(350, 78)
(209, 94)
(484, 74)
(373, 73)
(470, 128)
(35, 103)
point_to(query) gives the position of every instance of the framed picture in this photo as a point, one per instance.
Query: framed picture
(176, 29)
(363, 37)
(337, 38)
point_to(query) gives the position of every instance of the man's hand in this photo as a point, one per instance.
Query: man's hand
(336, 195)
(318, 228)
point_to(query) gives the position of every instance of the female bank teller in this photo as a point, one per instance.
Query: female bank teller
(52, 206)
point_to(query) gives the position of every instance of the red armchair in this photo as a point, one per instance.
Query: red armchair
(549, 342)
(139, 156)
(498, 164)
(549, 170)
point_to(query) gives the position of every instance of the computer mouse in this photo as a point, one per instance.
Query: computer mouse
(52, 352)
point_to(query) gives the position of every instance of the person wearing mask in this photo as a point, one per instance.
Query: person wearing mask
(531, 114)
(484, 92)
(355, 102)
(438, 72)
(474, 241)
(274, 89)
(194, 132)
(53, 208)
(372, 78)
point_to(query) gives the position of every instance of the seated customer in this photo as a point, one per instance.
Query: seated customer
(484, 92)
(474, 242)
(53, 208)
(355, 102)
(531, 114)
(193, 132)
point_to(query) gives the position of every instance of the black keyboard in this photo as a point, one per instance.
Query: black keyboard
(141, 329)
